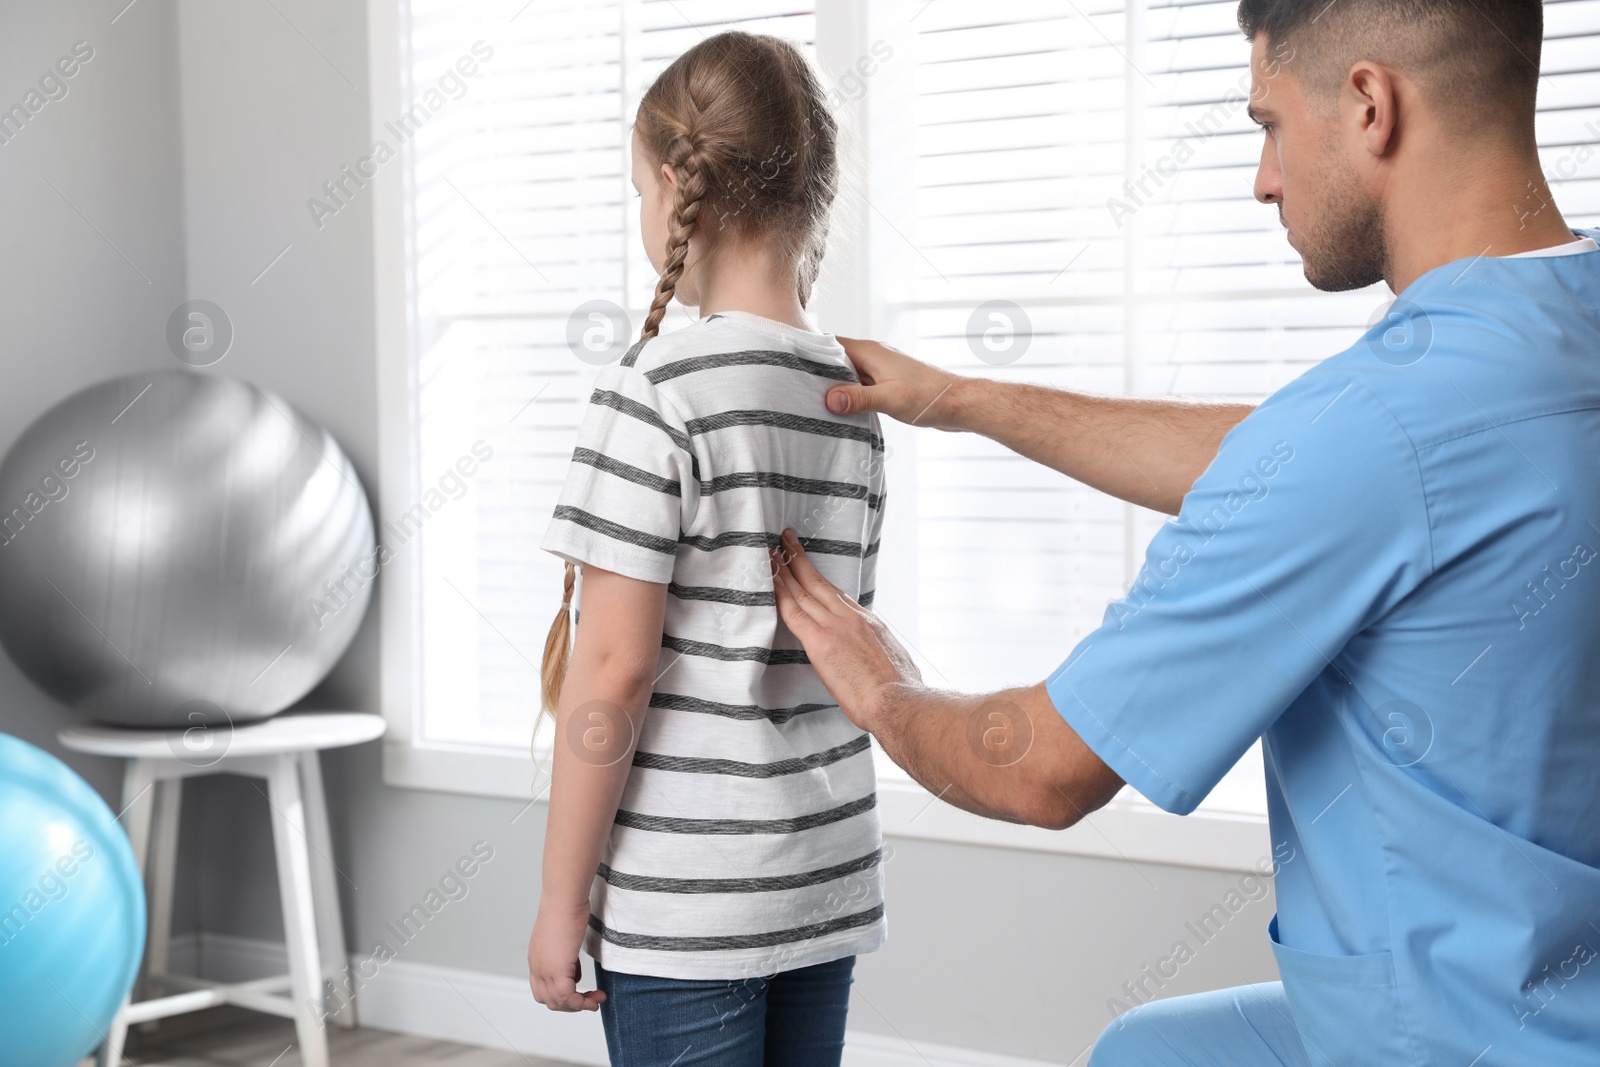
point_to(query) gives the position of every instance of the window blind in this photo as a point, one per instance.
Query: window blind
(522, 214)
(1015, 171)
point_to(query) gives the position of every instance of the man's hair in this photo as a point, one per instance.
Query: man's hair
(1472, 59)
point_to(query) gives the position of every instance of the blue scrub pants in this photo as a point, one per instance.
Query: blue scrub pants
(1249, 1026)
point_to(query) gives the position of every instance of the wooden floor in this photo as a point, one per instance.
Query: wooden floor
(233, 1037)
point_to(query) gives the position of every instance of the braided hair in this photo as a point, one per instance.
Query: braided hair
(743, 122)
(687, 158)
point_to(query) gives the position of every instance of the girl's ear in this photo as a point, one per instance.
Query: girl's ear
(669, 176)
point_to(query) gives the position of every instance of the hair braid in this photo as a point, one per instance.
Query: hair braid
(742, 119)
(558, 645)
(685, 210)
(687, 160)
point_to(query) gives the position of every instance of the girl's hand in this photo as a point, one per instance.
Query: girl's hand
(553, 968)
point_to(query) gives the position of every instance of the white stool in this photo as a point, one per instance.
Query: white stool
(283, 750)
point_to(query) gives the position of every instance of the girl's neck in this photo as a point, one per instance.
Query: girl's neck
(751, 278)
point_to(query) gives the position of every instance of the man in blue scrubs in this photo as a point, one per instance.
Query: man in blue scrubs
(1389, 571)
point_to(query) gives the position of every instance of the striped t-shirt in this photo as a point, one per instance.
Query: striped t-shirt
(747, 841)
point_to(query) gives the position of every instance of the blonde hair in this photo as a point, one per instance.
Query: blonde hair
(743, 121)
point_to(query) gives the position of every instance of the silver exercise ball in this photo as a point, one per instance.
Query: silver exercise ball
(178, 548)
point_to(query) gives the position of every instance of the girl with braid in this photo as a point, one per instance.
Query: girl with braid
(713, 839)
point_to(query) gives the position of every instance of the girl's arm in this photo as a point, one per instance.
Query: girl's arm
(602, 706)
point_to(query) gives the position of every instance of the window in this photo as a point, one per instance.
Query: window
(517, 211)
(1089, 162)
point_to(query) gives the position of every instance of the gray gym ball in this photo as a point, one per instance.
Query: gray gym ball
(175, 541)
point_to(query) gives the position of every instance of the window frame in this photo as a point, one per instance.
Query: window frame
(1129, 828)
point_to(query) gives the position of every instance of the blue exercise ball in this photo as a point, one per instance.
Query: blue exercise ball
(71, 911)
(178, 548)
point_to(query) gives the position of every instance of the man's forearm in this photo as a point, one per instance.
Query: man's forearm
(920, 730)
(1006, 755)
(1146, 450)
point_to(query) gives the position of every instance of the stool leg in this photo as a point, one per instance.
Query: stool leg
(325, 891)
(136, 816)
(160, 875)
(299, 922)
(109, 1054)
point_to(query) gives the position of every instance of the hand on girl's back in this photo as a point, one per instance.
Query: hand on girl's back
(893, 384)
(553, 968)
(851, 649)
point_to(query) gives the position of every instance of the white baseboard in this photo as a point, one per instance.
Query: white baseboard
(497, 1011)
(862, 1049)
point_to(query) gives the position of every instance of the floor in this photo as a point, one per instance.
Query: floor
(233, 1037)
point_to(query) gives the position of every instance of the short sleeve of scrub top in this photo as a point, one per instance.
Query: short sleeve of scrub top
(1310, 523)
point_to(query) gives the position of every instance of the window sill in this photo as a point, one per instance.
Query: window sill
(1129, 828)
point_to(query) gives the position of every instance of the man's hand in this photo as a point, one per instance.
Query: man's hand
(1007, 755)
(850, 648)
(894, 384)
(553, 968)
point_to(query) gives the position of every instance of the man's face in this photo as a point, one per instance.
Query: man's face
(1307, 170)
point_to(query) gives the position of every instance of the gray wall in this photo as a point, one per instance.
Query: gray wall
(274, 99)
(91, 212)
(201, 187)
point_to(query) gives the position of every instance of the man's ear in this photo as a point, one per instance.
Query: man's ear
(1368, 102)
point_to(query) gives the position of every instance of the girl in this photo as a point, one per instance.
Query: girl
(719, 855)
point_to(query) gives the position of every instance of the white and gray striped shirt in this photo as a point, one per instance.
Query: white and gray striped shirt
(747, 841)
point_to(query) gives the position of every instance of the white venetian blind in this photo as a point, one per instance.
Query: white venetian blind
(521, 214)
(1023, 120)
(1569, 107)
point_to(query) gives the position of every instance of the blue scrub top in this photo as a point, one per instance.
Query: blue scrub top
(1391, 573)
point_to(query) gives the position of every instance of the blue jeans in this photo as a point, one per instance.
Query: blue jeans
(1248, 1026)
(791, 1019)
